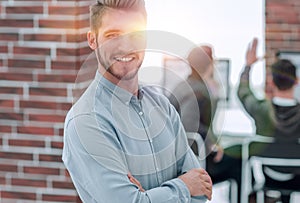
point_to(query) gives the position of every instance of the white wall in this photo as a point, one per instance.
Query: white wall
(228, 25)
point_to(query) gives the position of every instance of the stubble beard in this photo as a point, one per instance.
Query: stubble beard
(128, 76)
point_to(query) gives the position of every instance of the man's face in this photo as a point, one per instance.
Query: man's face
(121, 43)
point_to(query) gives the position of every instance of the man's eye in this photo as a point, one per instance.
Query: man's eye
(112, 35)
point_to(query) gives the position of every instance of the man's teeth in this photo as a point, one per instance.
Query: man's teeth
(124, 59)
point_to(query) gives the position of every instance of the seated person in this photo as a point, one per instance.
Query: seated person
(196, 100)
(278, 116)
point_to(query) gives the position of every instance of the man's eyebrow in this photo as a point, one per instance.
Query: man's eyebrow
(111, 31)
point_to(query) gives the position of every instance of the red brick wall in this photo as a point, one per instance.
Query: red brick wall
(42, 45)
(282, 29)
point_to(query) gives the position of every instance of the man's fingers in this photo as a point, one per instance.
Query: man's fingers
(135, 181)
(254, 44)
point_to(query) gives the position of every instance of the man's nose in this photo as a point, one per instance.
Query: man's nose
(132, 42)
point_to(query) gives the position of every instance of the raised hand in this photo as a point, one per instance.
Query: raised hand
(251, 55)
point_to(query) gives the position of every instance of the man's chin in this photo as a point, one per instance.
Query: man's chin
(124, 77)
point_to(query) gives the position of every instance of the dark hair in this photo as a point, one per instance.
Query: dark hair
(284, 74)
(101, 6)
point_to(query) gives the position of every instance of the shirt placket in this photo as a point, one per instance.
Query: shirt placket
(138, 107)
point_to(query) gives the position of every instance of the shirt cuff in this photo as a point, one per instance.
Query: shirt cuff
(171, 191)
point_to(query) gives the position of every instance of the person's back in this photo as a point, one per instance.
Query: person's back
(278, 116)
(196, 101)
(193, 98)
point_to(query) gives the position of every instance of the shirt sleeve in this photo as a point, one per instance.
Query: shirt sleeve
(189, 160)
(247, 97)
(99, 172)
(245, 94)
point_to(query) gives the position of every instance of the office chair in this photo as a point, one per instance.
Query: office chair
(262, 153)
(197, 144)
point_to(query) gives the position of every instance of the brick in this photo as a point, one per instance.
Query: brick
(16, 76)
(61, 198)
(16, 23)
(35, 130)
(22, 63)
(84, 9)
(11, 90)
(47, 91)
(69, 65)
(76, 37)
(62, 10)
(66, 24)
(61, 132)
(63, 184)
(29, 182)
(288, 18)
(45, 105)
(11, 116)
(66, 52)
(17, 195)
(47, 118)
(65, 78)
(41, 170)
(6, 103)
(32, 50)
(15, 155)
(83, 23)
(57, 145)
(5, 129)
(67, 10)
(8, 167)
(26, 143)
(277, 6)
(50, 158)
(2, 180)
(43, 37)
(24, 10)
(9, 37)
(3, 49)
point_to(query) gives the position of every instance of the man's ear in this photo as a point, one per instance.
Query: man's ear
(92, 40)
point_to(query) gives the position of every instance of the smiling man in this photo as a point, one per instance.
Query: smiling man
(124, 142)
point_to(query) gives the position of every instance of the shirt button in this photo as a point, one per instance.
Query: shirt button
(141, 113)
(150, 140)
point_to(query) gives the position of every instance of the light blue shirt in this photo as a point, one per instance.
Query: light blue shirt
(110, 132)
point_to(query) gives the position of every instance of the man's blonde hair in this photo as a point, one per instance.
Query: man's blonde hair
(101, 6)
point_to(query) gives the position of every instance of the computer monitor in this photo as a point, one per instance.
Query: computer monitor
(293, 56)
(221, 75)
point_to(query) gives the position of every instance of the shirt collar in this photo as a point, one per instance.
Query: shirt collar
(284, 101)
(118, 92)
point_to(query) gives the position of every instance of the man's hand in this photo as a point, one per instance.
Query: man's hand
(136, 182)
(251, 56)
(219, 152)
(198, 182)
